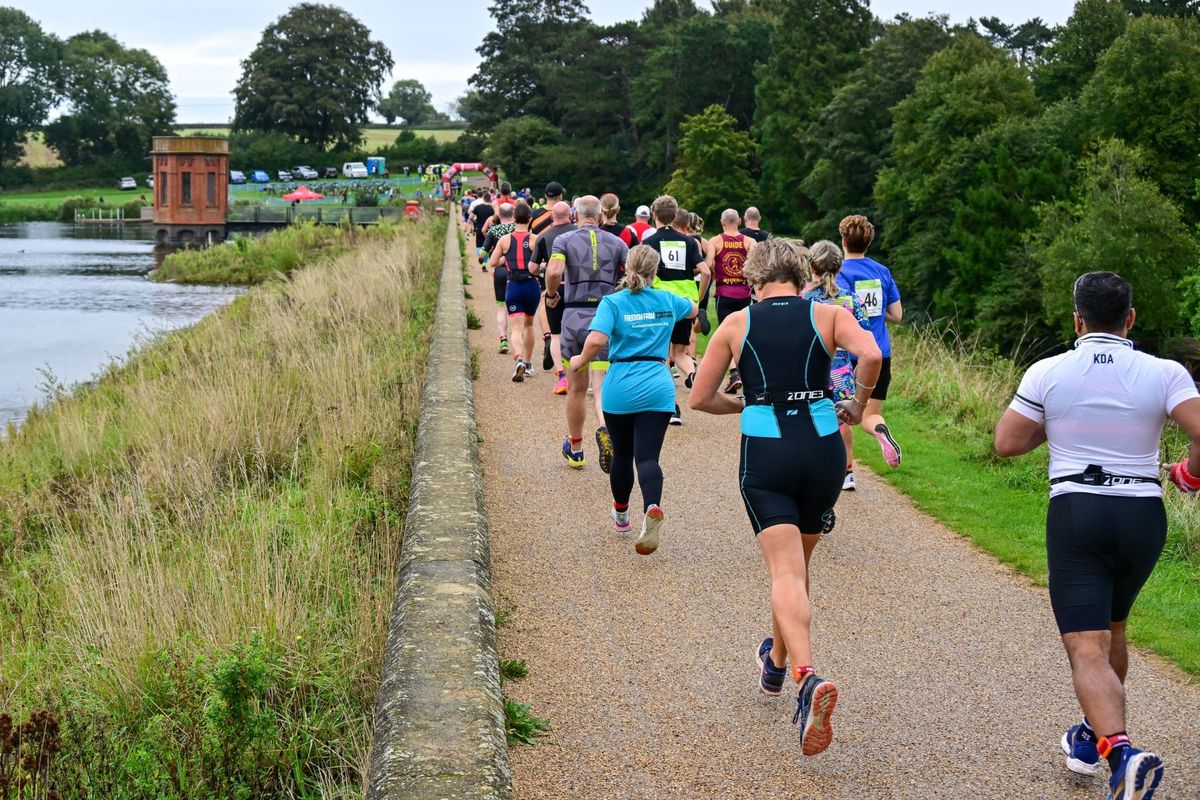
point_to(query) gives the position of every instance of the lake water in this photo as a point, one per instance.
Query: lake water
(73, 298)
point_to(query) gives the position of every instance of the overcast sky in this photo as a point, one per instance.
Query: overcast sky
(202, 44)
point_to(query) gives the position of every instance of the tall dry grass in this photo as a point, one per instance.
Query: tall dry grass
(241, 482)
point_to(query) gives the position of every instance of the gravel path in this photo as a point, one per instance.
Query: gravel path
(953, 683)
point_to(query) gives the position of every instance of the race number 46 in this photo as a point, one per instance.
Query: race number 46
(870, 294)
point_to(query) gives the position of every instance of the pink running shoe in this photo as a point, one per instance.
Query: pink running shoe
(891, 450)
(561, 386)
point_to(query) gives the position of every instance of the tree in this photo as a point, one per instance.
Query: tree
(713, 172)
(29, 79)
(851, 137)
(315, 74)
(408, 100)
(1121, 222)
(815, 44)
(1146, 91)
(117, 100)
(518, 147)
(1070, 61)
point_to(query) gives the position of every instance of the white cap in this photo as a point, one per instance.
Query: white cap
(642, 211)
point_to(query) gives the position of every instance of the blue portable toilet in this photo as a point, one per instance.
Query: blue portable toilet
(377, 165)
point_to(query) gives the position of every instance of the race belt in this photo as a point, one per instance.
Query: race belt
(629, 359)
(1099, 476)
(782, 396)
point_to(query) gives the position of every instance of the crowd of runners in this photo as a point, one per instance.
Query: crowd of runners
(801, 352)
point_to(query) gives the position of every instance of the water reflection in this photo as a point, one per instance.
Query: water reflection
(74, 298)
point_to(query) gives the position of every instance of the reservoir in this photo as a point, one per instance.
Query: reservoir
(74, 298)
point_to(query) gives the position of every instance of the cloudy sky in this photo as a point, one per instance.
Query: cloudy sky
(202, 44)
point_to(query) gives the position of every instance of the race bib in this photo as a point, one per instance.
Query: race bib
(870, 294)
(674, 255)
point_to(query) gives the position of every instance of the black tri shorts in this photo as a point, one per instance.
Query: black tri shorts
(885, 379)
(1100, 549)
(500, 283)
(554, 315)
(728, 305)
(681, 333)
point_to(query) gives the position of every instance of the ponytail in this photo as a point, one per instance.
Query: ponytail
(826, 260)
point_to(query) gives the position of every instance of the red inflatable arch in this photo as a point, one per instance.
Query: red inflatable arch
(477, 166)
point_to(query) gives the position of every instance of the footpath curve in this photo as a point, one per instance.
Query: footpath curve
(953, 682)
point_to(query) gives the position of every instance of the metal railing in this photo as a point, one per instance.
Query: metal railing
(321, 215)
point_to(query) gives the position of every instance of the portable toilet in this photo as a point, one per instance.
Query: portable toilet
(377, 165)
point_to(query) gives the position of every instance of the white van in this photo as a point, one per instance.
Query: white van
(354, 169)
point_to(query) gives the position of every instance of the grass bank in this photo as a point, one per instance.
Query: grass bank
(249, 260)
(196, 555)
(943, 411)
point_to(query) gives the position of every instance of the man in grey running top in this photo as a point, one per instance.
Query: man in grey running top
(585, 264)
(1101, 409)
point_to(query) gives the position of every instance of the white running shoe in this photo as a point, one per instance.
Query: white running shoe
(621, 520)
(647, 540)
(519, 372)
(848, 483)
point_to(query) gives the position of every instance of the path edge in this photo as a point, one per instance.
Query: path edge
(439, 728)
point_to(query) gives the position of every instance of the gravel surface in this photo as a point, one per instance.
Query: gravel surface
(952, 680)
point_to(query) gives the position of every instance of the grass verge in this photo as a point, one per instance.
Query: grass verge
(943, 412)
(197, 554)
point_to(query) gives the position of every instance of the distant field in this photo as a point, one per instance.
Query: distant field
(112, 196)
(375, 137)
(37, 154)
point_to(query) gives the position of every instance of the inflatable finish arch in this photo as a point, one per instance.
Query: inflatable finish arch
(477, 166)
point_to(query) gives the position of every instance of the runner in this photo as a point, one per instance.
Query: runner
(679, 261)
(728, 250)
(553, 315)
(753, 220)
(542, 218)
(634, 324)
(873, 284)
(500, 275)
(695, 227)
(610, 209)
(826, 260)
(1106, 525)
(641, 227)
(523, 294)
(791, 455)
(505, 198)
(481, 215)
(585, 263)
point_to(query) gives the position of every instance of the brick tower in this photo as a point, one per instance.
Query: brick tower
(191, 185)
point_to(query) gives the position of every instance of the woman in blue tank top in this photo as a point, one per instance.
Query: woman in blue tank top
(792, 458)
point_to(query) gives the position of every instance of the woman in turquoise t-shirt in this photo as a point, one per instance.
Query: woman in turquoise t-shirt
(635, 324)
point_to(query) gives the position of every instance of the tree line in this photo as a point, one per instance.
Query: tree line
(998, 161)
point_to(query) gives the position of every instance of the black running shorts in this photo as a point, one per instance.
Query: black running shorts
(681, 333)
(728, 305)
(554, 315)
(885, 379)
(793, 480)
(1100, 549)
(500, 283)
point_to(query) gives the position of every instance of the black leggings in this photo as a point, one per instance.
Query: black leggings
(637, 437)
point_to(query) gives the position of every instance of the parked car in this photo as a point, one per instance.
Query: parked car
(237, 176)
(128, 183)
(354, 169)
(305, 173)
(284, 175)
(331, 172)
(150, 181)
(260, 176)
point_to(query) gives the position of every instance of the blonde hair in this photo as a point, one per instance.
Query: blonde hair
(640, 267)
(610, 207)
(778, 261)
(857, 232)
(825, 258)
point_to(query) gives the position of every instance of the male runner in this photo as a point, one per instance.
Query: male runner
(1101, 408)
(753, 220)
(641, 226)
(585, 263)
(542, 217)
(500, 276)
(523, 294)
(875, 288)
(481, 214)
(680, 259)
(729, 250)
(551, 316)
(505, 198)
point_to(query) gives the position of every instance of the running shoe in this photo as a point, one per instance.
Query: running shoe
(503, 345)
(1080, 750)
(519, 371)
(735, 382)
(1137, 777)
(529, 370)
(814, 707)
(604, 448)
(690, 379)
(848, 482)
(561, 386)
(675, 418)
(574, 457)
(891, 450)
(770, 677)
(621, 520)
(647, 540)
(547, 359)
